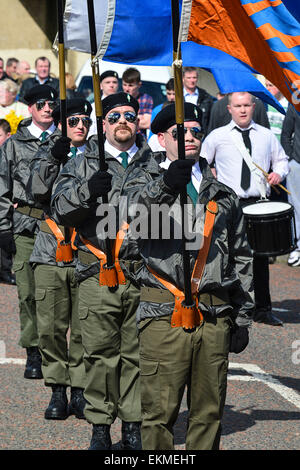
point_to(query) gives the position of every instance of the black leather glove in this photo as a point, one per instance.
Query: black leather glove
(178, 174)
(239, 339)
(61, 148)
(7, 242)
(99, 184)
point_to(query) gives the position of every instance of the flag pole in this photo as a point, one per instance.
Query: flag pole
(62, 80)
(179, 110)
(98, 110)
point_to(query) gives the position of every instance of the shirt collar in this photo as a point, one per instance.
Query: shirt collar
(252, 125)
(195, 93)
(116, 152)
(80, 150)
(36, 131)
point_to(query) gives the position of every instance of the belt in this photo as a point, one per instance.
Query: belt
(89, 258)
(44, 227)
(31, 211)
(153, 294)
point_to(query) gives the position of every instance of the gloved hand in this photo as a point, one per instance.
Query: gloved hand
(99, 184)
(61, 148)
(239, 339)
(178, 174)
(7, 242)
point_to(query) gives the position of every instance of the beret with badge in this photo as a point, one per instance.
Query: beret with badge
(108, 73)
(167, 118)
(119, 99)
(40, 92)
(74, 106)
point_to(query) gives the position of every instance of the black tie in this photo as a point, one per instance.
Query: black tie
(245, 174)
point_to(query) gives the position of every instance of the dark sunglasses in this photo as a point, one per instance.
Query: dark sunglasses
(40, 104)
(114, 117)
(73, 121)
(195, 131)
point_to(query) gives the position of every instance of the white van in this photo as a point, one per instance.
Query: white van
(153, 79)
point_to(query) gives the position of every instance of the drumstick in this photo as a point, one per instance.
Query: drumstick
(267, 174)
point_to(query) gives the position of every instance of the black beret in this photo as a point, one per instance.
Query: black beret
(74, 106)
(167, 118)
(108, 73)
(40, 92)
(119, 99)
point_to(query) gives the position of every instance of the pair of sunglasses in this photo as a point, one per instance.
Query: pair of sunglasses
(40, 104)
(114, 117)
(73, 121)
(195, 131)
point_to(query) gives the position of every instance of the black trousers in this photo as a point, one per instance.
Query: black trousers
(5, 262)
(261, 273)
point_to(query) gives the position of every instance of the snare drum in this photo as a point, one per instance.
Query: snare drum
(271, 227)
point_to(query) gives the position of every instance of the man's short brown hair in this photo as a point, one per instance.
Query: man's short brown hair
(131, 75)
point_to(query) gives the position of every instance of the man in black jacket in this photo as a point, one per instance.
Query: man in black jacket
(42, 66)
(193, 94)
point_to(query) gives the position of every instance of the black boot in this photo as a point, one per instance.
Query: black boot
(101, 439)
(77, 403)
(131, 436)
(58, 406)
(33, 367)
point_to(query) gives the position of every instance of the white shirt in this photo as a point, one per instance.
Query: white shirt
(93, 127)
(115, 152)
(37, 132)
(191, 97)
(80, 150)
(266, 151)
(196, 173)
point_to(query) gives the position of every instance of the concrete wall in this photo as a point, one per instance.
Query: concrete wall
(28, 29)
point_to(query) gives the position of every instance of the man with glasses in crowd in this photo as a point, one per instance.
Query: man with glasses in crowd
(107, 315)
(55, 283)
(20, 215)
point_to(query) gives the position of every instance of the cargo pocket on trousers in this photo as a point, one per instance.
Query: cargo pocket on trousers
(149, 386)
(40, 294)
(17, 266)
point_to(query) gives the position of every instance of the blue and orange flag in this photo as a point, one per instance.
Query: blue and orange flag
(261, 33)
(233, 39)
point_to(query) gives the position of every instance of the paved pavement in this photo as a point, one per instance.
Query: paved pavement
(262, 409)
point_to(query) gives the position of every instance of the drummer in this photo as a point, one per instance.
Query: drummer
(224, 149)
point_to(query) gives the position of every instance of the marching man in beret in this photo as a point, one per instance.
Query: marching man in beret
(106, 308)
(53, 260)
(187, 345)
(20, 215)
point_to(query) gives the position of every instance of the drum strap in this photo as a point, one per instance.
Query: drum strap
(255, 172)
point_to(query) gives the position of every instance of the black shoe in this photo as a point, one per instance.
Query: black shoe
(131, 436)
(33, 367)
(101, 439)
(8, 278)
(267, 317)
(77, 403)
(58, 406)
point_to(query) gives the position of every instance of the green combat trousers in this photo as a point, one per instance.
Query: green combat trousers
(170, 359)
(59, 332)
(111, 357)
(25, 286)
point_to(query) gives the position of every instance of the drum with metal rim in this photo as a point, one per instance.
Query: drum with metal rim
(271, 227)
